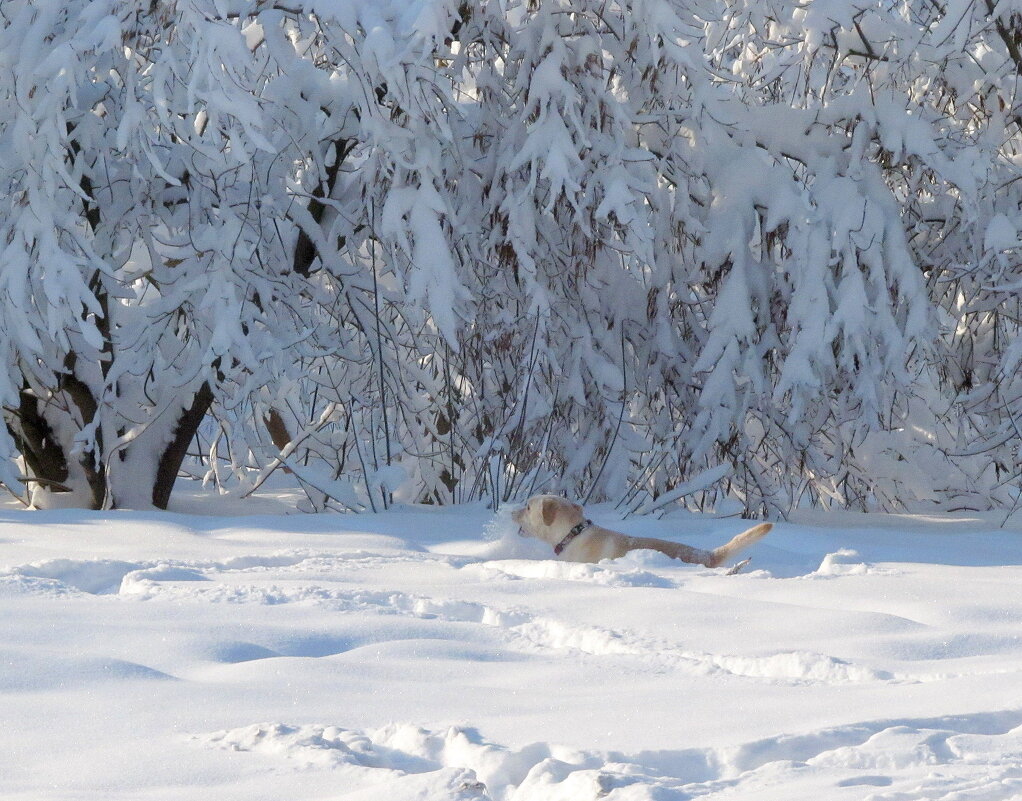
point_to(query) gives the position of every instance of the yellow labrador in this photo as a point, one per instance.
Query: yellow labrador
(577, 539)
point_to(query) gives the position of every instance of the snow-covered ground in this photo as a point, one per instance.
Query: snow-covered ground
(431, 654)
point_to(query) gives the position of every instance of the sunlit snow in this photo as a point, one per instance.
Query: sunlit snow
(434, 654)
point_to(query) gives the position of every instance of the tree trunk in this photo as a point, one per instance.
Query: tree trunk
(82, 397)
(173, 455)
(44, 458)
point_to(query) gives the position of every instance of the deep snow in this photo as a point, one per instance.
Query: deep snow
(430, 653)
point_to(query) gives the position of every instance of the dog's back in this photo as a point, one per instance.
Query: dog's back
(598, 543)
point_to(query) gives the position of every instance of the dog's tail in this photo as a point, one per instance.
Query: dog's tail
(739, 543)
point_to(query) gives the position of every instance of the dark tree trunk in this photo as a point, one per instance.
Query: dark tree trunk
(174, 454)
(44, 457)
(279, 434)
(82, 398)
(305, 249)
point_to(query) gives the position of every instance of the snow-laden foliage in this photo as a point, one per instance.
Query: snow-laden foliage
(644, 251)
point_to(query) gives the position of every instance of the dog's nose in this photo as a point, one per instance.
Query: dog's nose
(516, 514)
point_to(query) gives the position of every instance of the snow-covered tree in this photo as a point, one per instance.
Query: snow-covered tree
(147, 234)
(643, 250)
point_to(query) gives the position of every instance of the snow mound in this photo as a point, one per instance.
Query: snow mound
(16, 584)
(798, 666)
(402, 761)
(455, 764)
(844, 562)
(60, 671)
(607, 574)
(92, 576)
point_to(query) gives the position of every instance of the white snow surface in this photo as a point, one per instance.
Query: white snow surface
(430, 653)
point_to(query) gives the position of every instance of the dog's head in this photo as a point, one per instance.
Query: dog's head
(548, 517)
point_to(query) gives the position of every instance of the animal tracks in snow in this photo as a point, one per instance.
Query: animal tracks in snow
(106, 576)
(320, 580)
(676, 682)
(893, 759)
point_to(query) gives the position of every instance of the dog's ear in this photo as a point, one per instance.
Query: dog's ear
(549, 510)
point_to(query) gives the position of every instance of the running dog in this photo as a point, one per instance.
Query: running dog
(575, 538)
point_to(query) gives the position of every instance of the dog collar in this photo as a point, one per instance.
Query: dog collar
(577, 529)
